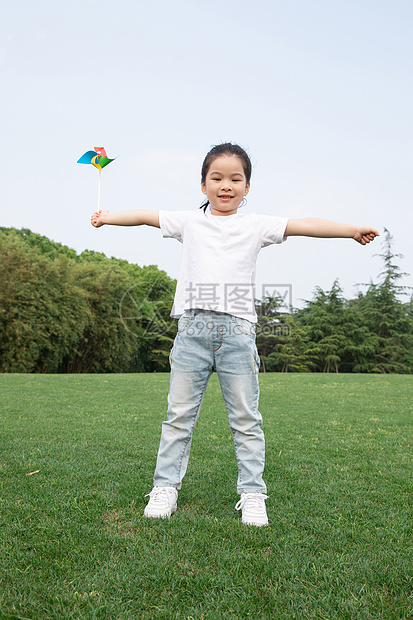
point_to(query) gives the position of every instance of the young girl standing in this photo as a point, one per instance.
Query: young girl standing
(214, 302)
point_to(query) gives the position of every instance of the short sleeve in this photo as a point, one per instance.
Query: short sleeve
(271, 228)
(172, 224)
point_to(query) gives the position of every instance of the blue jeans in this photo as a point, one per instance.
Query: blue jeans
(208, 341)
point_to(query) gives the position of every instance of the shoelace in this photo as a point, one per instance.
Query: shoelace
(255, 500)
(158, 494)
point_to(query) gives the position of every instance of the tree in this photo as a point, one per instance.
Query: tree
(42, 311)
(294, 351)
(104, 344)
(387, 317)
(325, 319)
(269, 331)
(62, 312)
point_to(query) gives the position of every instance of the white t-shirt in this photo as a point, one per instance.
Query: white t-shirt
(217, 270)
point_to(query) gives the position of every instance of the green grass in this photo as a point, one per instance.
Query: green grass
(75, 544)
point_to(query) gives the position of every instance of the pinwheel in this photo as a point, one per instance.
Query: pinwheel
(97, 158)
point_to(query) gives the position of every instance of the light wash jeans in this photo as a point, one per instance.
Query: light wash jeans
(208, 341)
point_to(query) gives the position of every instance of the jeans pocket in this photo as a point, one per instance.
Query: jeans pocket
(245, 326)
(183, 322)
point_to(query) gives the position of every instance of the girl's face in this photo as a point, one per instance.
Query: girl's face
(225, 185)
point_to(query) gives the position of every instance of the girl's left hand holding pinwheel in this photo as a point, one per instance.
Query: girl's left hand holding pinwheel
(96, 220)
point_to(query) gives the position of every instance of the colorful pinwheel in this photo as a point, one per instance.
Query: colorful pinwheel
(97, 158)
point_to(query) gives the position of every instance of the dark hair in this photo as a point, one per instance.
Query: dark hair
(227, 148)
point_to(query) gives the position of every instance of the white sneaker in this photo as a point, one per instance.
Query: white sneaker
(162, 502)
(253, 508)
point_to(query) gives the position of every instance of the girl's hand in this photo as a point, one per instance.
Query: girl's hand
(365, 234)
(96, 219)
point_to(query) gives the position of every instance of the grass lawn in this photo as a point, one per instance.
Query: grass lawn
(75, 544)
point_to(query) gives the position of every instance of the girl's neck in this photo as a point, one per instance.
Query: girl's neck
(220, 214)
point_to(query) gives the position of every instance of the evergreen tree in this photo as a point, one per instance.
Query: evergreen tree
(325, 319)
(388, 318)
(294, 352)
(270, 330)
(282, 342)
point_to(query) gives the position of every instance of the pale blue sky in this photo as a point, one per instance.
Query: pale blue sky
(319, 92)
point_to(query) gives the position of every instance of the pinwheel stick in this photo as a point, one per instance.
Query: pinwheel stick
(100, 174)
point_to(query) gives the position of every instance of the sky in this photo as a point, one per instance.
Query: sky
(319, 92)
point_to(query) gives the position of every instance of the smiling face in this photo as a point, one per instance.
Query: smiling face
(225, 185)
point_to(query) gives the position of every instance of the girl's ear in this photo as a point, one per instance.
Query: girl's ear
(247, 188)
(203, 187)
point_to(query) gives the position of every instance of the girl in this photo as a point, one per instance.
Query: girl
(214, 302)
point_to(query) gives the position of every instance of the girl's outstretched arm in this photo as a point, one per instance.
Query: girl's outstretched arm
(126, 218)
(315, 227)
